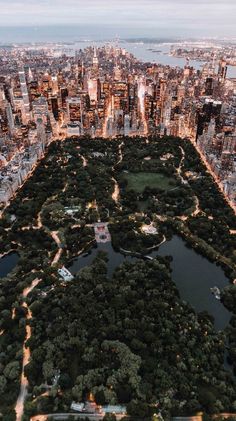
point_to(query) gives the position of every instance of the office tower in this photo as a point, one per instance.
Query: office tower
(95, 59)
(95, 63)
(181, 90)
(54, 107)
(54, 85)
(117, 73)
(75, 110)
(30, 75)
(10, 119)
(34, 90)
(25, 96)
(126, 125)
(141, 98)
(2, 98)
(93, 89)
(209, 86)
(222, 70)
(41, 133)
(80, 74)
(40, 109)
(64, 95)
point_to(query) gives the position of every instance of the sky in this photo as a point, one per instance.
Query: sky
(127, 17)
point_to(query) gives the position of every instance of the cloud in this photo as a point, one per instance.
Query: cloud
(206, 15)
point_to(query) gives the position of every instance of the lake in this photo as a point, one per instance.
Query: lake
(192, 273)
(8, 263)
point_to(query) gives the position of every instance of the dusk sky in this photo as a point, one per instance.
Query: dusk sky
(137, 17)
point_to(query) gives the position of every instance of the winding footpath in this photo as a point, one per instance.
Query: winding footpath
(39, 221)
(179, 172)
(85, 162)
(54, 235)
(179, 169)
(19, 408)
(197, 209)
(120, 154)
(116, 192)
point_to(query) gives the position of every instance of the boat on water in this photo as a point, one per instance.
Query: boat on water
(216, 292)
(154, 51)
(86, 254)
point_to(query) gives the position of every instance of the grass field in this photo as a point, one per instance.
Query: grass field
(138, 181)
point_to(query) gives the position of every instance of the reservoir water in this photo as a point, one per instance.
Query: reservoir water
(193, 274)
(7, 263)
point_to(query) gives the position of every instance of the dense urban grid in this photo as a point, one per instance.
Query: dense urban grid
(107, 92)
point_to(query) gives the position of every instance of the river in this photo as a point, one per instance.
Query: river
(193, 274)
(7, 263)
(144, 52)
(89, 35)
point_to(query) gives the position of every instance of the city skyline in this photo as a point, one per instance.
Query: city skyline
(126, 18)
(108, 93)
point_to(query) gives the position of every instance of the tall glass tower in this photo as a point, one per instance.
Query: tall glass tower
(25, 96)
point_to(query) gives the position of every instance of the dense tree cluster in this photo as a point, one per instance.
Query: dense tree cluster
(127, 235)
(229, 300)
(129, 340)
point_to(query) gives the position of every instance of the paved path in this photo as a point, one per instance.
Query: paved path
(116, 192)
(54, 235)
(196, 418)
(19, 408)
(85, 162)
(61, 416)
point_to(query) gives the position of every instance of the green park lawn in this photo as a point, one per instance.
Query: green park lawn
(138, 181)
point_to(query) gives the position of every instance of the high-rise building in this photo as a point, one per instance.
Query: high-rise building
(25, 96)
(40, 109)
(10, 119)
(222, 70)
(93, 89)
(75, 110)
(54, 107)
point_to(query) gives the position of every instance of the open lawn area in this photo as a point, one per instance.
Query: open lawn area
(138, 181)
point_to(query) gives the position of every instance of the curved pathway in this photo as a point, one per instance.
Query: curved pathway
(179, 169)
(85, 161)
(120, 153)
(54, 235)
(19, 408)
(197, 209)
(116, 192)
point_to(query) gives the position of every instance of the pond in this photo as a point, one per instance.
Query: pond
(193, 274)
(8, 263)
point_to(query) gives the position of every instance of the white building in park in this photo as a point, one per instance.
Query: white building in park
(65, 274)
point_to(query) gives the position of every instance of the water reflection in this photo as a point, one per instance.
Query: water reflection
(7, 263)
(193, 274)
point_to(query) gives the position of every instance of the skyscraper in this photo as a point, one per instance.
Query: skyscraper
(25, 96)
